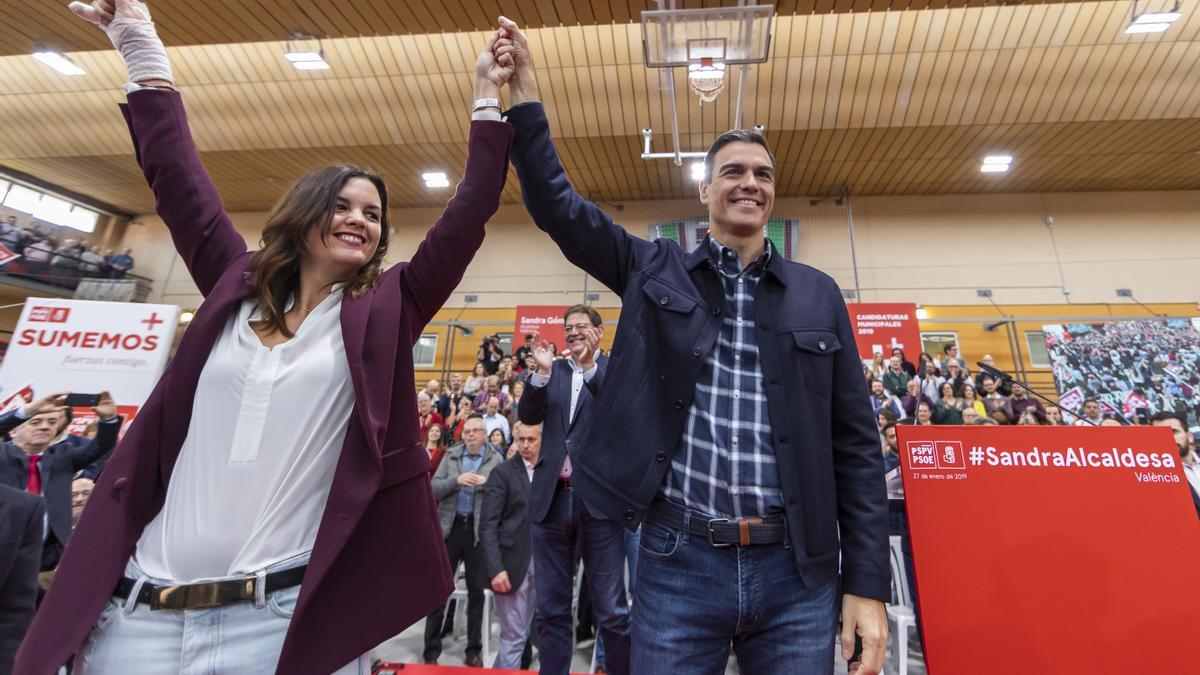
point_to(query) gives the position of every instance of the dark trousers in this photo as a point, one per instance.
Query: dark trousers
(554, 540)
(460, 544)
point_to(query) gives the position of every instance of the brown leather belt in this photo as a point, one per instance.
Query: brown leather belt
(209, 594)
(721, 532)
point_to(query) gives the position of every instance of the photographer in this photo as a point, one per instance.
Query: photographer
(489, 354)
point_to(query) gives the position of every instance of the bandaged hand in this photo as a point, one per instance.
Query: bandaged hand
(127, 24)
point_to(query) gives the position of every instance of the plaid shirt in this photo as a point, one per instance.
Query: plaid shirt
(725, 462)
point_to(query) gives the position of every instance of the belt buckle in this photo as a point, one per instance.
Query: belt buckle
(712, 542)
(201, 596)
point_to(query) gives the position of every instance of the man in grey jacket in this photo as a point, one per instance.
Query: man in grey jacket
(458, 486)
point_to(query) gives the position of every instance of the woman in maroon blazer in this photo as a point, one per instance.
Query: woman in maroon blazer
(269, 510)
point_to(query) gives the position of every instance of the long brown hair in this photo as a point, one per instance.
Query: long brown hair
(309, 203)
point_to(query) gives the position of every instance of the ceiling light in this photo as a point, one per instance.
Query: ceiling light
(993, 168)
(922, 313)
(435, 179)
(998, 159)
(186, 317)
(1151, 22)
(697, 170)
(58, 62)
(1135, 28)
(1158, 17)
(310, 65)
(304, 52)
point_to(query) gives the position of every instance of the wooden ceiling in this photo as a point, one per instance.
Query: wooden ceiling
(886, 102)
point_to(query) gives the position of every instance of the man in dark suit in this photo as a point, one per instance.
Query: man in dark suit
(732, 419)
(21, 518)
(557, 395)
(504, 536)
(34, 462)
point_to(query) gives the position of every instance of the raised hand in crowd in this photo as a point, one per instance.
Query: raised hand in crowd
(523, 85)
(106, 409)
(51, 403)
(543, 355)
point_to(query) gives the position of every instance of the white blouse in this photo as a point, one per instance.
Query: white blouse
(267, 428)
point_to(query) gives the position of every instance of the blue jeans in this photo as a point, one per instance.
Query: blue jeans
(242, 637)
(694, 601)
(554, 542)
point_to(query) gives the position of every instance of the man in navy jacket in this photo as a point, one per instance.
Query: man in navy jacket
(559, 398)
(731, 421)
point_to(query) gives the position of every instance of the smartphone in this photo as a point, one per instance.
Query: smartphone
(82, 400)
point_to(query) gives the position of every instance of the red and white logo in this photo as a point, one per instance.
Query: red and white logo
(922, 455)
(49, 314)
(950, 455)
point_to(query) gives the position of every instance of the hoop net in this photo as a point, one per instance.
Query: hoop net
(707, 79)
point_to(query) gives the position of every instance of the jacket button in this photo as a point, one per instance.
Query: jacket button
(344, 516)
(661, 456)
(697, 353)
(679, 404)
(664, 300)
(716, 311)
(628, 514)
(120, 484)
(821, 345)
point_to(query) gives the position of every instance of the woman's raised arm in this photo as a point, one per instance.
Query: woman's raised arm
(185, 197)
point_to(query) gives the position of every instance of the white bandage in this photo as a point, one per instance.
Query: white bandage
(132, 33)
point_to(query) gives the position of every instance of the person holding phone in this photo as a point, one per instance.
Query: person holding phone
(40, 461)
(270, 507)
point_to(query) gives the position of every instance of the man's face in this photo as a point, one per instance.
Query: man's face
(989, 385)
(889, 437)
(578, 328)
(1183, 438)
(913, 387)
(954, 370)
(493, 383)
(528, 441)
(493, 406)
(741, 194)
(474, 434)
(1091, 409)
(876, 387)
(423, 403)
(81, 489)
(1018, 391)
(894, 364)
(456, 381)
(433, 387)
(952, 352)
(34, 435)
(506, 363)
(970, 416)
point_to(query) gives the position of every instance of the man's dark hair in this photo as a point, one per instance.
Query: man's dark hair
(733, 136)
(889, 425)
(592, 314)
(946, 348)
(1090, 400)
(529, 336)
(1163, 416)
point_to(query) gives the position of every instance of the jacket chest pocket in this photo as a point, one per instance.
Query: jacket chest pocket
(814, 351)
(670, 316)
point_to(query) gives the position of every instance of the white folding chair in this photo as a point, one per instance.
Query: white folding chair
(460, 611)
(900, 610)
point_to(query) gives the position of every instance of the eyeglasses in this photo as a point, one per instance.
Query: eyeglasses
(577, 328)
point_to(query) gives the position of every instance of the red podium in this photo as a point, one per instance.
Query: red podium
(1052, 549)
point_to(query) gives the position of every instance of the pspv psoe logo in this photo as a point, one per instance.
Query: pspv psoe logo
(49, 314)
(936, 455)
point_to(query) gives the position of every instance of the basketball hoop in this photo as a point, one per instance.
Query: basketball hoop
(707, 79)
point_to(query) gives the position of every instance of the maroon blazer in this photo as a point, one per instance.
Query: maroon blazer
(379, 562)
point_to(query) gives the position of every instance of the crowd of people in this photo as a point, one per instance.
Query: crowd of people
(59, 260)
(942, 390)
(1132, 369)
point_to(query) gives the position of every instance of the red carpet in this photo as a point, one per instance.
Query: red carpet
(421, 669)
